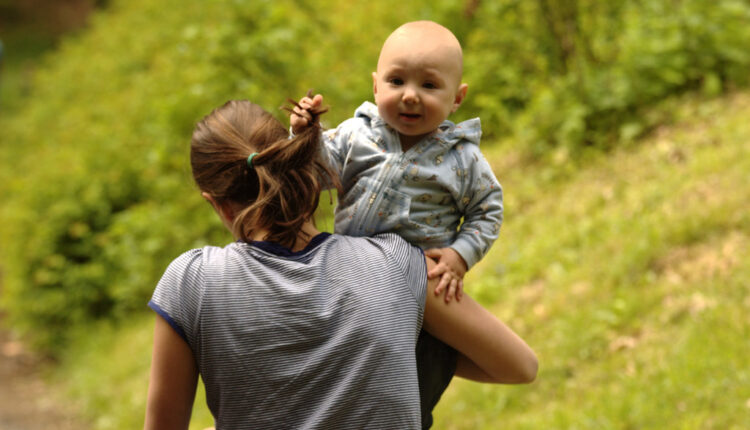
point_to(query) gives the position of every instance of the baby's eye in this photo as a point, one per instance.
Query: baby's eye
(396, 81)
(429, 85)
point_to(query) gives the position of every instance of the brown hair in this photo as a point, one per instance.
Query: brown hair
(280, 192)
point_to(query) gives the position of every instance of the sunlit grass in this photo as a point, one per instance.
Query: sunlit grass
(630, 278)
(107, 370)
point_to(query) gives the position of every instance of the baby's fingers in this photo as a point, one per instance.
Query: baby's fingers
(316, 101)
(300, 118)
(436, 271)
(447, 283)
(445, 280)
(452, 287)
(303, 113)
(307, 102)
(434, 253)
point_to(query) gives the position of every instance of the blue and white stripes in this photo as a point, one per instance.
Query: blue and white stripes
(321, 338)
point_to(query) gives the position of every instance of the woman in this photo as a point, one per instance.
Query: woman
(293, 328)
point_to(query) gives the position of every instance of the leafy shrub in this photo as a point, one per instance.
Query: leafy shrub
(580, 73)
(97, 197)
(98, 200)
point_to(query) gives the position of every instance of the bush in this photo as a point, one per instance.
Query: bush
(98, 197)
(96, 190)
(581, 73)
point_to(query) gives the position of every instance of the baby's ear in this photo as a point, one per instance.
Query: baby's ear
(460, 96)
(374, 82)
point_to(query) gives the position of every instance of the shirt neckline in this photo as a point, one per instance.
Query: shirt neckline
(282, 251)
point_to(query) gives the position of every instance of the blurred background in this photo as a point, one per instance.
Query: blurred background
(618, 129)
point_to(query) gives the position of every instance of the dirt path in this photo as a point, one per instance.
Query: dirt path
(25, 400)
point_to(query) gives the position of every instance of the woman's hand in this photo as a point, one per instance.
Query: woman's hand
(451, 269)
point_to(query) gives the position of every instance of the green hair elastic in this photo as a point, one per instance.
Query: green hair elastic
(250, 159)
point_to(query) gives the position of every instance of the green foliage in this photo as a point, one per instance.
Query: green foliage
(97, 196)
(628, 277)
(61, 261)
(106, 356)
(96, 192)
(580, 73)
(99, 200)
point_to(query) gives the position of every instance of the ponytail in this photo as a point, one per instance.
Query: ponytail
(280, 190)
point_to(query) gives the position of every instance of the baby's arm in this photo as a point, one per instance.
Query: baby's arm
(482, 207)
(482, 214)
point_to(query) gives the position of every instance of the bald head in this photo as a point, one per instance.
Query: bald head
(425, 38)
(418, 80)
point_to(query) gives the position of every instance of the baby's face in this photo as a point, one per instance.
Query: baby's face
(417, 85)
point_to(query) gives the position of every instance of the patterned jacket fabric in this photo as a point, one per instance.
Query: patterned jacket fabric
(441, 192)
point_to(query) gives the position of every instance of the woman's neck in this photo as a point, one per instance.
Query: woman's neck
(306, 233)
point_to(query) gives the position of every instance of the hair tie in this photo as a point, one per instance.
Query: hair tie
(250, 160)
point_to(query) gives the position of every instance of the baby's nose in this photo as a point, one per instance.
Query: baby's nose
(410, 95)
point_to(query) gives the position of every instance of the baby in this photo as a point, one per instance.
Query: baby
(405, 169)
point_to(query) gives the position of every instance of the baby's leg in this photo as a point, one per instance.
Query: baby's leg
(436, 364)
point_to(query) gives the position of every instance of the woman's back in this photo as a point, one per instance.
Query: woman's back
(321, 338)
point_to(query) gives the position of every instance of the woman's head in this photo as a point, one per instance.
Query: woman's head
(279, 192)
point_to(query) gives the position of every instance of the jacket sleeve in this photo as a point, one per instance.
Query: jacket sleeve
(482, 207)
(335, 147)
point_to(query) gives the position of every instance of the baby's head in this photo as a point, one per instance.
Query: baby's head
(418, 80)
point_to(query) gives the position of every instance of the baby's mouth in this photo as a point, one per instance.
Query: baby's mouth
(409, 116)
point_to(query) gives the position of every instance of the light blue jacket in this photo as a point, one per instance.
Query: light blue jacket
(441, 192)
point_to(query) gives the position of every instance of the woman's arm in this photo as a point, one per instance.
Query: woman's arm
(489, 351)
(174, 377)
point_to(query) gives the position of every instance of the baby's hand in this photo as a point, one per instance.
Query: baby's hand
(451, 268)
(305, 111)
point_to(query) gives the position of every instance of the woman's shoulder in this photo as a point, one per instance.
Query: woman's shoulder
(380, 241)
(196, 260)
(187, 266)
(392, 247)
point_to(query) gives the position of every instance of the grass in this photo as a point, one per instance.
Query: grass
(107, 370)
(630, 279)
(628, 274)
